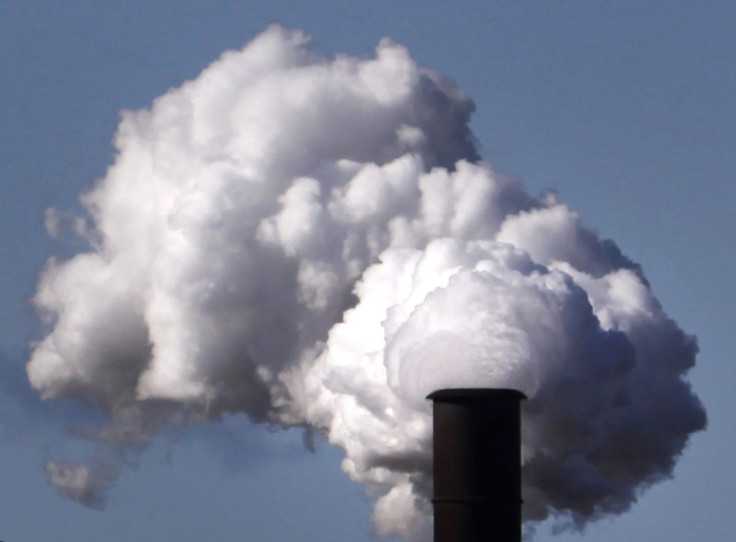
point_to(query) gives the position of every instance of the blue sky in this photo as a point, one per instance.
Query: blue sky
(625, 109)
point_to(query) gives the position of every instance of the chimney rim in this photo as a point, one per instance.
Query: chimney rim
(449, 394)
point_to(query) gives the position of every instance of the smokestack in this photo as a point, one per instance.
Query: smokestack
(477, 465)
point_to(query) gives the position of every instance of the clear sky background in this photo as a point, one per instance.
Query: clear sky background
(626, 109)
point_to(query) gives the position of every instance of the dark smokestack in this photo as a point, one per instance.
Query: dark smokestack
(477, 465)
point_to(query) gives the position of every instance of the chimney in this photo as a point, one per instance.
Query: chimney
(477, 465)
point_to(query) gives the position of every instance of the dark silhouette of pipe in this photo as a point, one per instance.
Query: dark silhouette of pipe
(477, 465)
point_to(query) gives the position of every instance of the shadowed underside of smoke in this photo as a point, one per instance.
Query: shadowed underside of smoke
(315, 242)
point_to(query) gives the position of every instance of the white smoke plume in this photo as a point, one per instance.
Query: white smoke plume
(315, 242)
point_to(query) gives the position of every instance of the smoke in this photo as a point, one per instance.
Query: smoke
(315, 242)
(87, 484)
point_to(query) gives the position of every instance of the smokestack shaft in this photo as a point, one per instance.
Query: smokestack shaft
(477, 465)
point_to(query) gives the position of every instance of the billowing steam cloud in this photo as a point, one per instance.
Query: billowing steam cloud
(315, 242)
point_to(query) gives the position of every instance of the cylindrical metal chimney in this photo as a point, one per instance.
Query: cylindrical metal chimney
(477, 465)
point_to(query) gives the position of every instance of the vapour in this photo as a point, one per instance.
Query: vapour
(315, 242)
